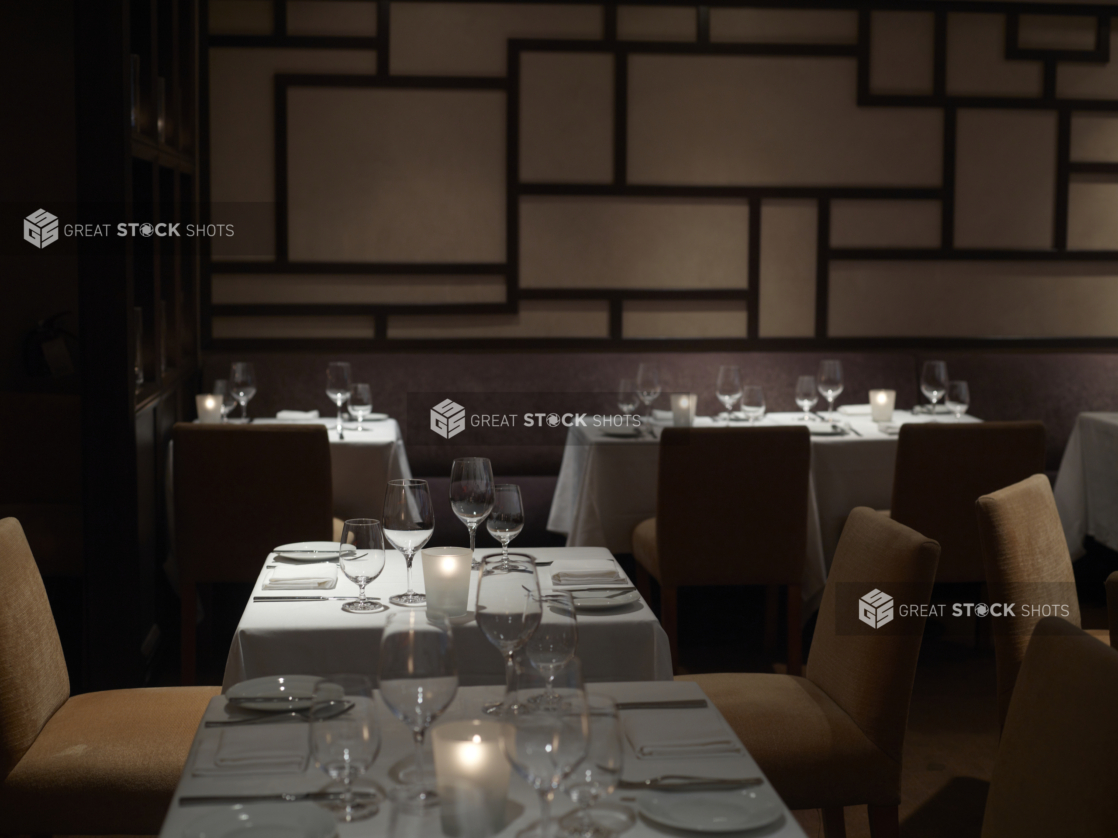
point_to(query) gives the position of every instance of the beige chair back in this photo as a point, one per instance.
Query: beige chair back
(1056, 772)
(943, 468)
(33, 679)
(869, 675)
(731, 506)
(1027, 562)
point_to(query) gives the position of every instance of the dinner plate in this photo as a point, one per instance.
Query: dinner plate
(372, 417)
(623, 433)
(274, 693)
(308, 551)
(265, 820)
(821, 429)
(716, 811)
(589, 602)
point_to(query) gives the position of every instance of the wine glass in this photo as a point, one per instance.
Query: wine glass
(418, 677)
(933, 382)
(409, 522)
(362, 560)
(544, 746)
(553, 643)
(345, 742)
(338, 386)
(598, 774)
(627, 398)
(806, 396)
(728, 389)
(506, 520)
(648, 384)
(471, 494)
(829, 382)
(508, 612)
(753, 402)
(360, 402)
(958, 398)
(221, 388)
(242, 384)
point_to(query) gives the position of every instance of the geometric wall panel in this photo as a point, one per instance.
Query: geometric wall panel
(1090, 81)
(656, 23)
(330, 17)
(784, 26)
(683, 319)
(294, 327)
(976, 62)
(247, 289)
(241, 17)
(901, 52)
(1094, 137)
(536, 319)
(1056, 32)
(1093, 213)
(885, 223)
(787, 293)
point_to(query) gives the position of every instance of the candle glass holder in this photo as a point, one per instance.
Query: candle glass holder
(472, 777)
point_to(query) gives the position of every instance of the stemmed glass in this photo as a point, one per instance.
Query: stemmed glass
(553, 643)
(544, 746)
(627, 398)
(829, 382)
(806, 396)
(345, 744)
(508, 612)
(221, 388)
(409, 522)
(338, 386)
(598, 774)
(506, 520)
(360, 402)
(958, 398)
(753, 402)
(418, 677)
(362, 560)
(471, 494)
(242, 384)
(728, 389)
(648, 384)
(933, 382)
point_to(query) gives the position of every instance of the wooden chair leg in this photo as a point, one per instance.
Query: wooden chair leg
(885, 821)
(643, 582)
(772, 618)
(188, 628)
(669, 619)
(834, 822)
(795, 632)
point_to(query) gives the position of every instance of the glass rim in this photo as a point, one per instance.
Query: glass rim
(362, 521)
(471, 459)
(407, 481)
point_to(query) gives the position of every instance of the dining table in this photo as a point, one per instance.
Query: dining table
(280, 635)
(212, 788)
(1086, 491)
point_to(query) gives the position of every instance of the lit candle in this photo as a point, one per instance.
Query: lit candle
(209, 408)
(683, 409)
(881, 404)
(446, 579)
(472, 775)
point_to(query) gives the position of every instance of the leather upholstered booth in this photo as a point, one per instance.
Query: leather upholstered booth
(93, 764)
(241, 490)
(835, 737)
(1112, 606)
(731, 509)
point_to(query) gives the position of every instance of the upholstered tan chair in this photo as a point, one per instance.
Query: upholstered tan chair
(942, 469)
(241, 490)
(1056, 772)
(1027, 564)
(835, 737)
(92, 764)
(1112, 606)
(731, 509)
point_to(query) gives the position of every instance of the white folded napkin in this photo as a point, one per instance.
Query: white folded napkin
(297, 415)
(302, 577)
(890, 428)
(254, 749)
(855, 410)
(568, 578)
(654, 734)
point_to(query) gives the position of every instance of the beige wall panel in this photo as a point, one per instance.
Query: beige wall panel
(726, 120)
(240, 17)
(536, 319)
(242, 137)
(236, 289)
(396, 175)
(901, 52)
(656, 23)
(1094, 137)
(785, 26)
(633, 243)
(566, 117)
(976, 63)
(1093, 213)
(293, 327)
(973, 299)
(787, 290)
(331, 17)
(470, 38)
(1005, 178)
(680, 319)
(885, 223)
(1056, 32)
(1090, 81)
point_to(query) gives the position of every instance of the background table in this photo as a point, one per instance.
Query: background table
(397, 746)
(318, 638)
(1087, 482)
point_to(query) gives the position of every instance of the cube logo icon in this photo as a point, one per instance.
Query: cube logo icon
(875, 609)
(448, 418)
(40, 228)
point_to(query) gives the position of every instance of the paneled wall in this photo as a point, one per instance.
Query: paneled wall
(414, 174)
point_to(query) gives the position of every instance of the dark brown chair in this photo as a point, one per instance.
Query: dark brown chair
(731, 509)
(943, 468)
(93, 764)
(1112, 606)
(241, 490)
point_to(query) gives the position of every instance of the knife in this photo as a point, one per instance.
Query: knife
(679, 704)
(681, 783)
(300, 598)
(225, 800)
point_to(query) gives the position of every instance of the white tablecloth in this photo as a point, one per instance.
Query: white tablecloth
(1087, 483)
(607, 485)
(397, 746)
(318, 638)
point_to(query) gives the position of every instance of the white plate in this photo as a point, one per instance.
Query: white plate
(308, 551)
(715, 811)
(265, 820)
(589, 602)
(820, 429)
(623, 433)
(274, 693)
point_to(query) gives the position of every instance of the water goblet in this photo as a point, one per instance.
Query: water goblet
(753, 402)
(242, 384)
(360, 402)
(829, 382)
(508, 612)
(598, 775)
(627, 398)
(471, 494)
(409, 522)
(648, 384)
(958, 398)
(506, 520)
(933, 382)
(728, 388)
(345, 744)
(806, 396)
(221, 388)
(553, 643)
(338, 387)
(362, 560)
